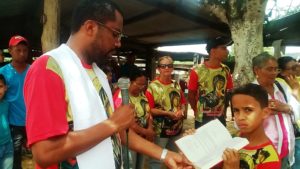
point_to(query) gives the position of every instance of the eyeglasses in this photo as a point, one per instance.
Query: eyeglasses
(116, 34)
(166, 66)
(272, 69)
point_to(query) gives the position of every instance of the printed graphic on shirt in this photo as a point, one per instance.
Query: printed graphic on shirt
(166, 97)
(142, 110)
(115, 140)
(211, 90)
(250, 159)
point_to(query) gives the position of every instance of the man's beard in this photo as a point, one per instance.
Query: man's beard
(98, 56)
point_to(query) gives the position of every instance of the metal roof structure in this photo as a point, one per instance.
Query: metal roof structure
(148, 23)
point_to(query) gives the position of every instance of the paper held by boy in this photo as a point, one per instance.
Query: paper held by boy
(205, 147)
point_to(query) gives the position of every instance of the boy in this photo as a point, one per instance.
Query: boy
(14, 74)
(6, 146)
(250, 108)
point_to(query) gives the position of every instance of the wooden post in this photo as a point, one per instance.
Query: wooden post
(51, 21)
(151, 63)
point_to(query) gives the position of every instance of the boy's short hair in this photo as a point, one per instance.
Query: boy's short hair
(255, 91)
(2, 78)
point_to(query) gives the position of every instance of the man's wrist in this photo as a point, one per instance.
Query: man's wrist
(111, 125)
(163, 154)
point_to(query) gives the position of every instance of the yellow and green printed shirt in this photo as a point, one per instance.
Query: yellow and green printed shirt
(168, 97)
(211, 85)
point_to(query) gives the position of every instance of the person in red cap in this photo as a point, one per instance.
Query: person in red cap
(14, 74)
(209, 82)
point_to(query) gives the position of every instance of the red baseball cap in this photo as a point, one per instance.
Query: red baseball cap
(15, 40)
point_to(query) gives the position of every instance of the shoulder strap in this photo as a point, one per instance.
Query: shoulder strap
(281, 89)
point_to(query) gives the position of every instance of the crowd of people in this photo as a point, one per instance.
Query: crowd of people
(65, 108)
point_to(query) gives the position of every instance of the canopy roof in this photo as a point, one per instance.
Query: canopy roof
(148, 23)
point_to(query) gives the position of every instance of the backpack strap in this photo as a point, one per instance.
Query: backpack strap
(281, 89)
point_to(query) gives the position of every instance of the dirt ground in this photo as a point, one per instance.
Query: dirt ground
(28, 163)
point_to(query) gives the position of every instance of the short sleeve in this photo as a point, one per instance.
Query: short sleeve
(193, 81)
(46, 106)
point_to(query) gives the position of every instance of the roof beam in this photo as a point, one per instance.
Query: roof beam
(165, 32)
(142, 16)
(182, 12)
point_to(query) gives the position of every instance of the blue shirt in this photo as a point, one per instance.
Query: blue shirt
(14, 94)
(4, 126)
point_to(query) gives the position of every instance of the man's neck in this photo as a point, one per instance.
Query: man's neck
(20, 67)
(213, 63)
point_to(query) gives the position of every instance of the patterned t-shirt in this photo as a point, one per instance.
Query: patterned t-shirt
(211, 85)
(141, 105)
(167, 97)
(49, 113)
(263, 156)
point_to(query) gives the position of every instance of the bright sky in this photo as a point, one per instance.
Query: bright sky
(278, 10)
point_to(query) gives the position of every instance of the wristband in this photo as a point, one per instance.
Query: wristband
(163, 154)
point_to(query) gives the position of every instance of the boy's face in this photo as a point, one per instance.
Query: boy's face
(248, 113)
(3, 89)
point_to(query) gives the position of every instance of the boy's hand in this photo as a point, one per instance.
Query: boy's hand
(231, 159)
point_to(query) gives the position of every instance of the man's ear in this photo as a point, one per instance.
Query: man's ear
(90, 27)
(266, 112)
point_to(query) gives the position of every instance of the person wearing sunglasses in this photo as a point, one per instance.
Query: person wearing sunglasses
(209, 82)
(69, 105)
(166, 101)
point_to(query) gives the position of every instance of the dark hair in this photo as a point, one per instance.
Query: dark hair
(253, 90)
(106, 69)
(98, 10)
(134, 75)
(2, 78)
(218, 41)
(283, 61)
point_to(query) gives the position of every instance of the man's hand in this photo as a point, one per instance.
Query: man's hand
(123, 117)
(231, 159)
(176, 161)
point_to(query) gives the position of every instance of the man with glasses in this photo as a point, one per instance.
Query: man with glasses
(69, 103)
(209, 82)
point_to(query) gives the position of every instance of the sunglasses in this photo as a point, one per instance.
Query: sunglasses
(165, 66)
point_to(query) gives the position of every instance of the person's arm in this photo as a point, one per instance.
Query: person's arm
(278, 106)
(56, 149)
(192, 96)
(138, 129)
(139, 144)
(157, 112)
(192, 90)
